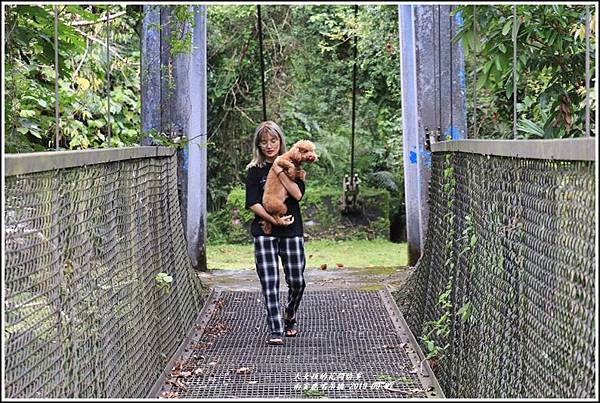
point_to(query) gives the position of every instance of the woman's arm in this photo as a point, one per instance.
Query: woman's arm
(260, 211)
(289, 184)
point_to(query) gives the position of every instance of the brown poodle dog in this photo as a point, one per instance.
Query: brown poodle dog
(275, 193)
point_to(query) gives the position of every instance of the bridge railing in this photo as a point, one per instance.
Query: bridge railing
(87, 234)
(503, 299)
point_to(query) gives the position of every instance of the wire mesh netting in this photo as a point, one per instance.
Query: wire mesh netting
(85, 315)
(505, 288)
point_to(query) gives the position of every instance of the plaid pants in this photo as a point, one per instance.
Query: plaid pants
(266, 252)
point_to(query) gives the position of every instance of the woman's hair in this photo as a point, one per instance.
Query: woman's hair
(269, 127)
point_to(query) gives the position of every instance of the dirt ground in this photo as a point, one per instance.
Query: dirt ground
(367, 279)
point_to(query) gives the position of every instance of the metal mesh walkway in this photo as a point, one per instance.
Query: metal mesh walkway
(352, 344)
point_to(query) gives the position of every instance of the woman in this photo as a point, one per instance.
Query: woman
(286, 239)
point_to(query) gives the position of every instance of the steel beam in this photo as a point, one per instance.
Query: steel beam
(197, 146)
(150, 72)
(433, 96)
(27, 163)
(578, 149)
(410, 132)
(174, 104)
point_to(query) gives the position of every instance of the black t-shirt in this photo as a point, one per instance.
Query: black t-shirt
(255, 187)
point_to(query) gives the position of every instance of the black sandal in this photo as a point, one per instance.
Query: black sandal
(291, 329)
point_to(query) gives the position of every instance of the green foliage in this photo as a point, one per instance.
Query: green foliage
(164, 281)
(439, 329)
(182, 24)
(231, 223)
(550, 69)
(436, 331)
(375, 257)
(30, 77)
(319, 206)
(308, 85)
(313, 393)
(308, 89)
(466, 311)
(308, 52)
(29, 312)
(217, 227)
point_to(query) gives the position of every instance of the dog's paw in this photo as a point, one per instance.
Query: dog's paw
(291, 172)
(266, 227)
(301, 175)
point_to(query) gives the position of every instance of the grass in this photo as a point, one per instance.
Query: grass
(358, 253)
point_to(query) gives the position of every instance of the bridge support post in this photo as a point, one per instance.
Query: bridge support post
(197, 146)
(433, 96)
(150, 73)
(174, 104)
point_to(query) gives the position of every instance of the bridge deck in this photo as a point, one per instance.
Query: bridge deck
(352, 344)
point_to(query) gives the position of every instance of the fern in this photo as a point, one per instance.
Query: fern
(385, 180)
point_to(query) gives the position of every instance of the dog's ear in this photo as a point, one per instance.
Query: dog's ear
(297, 154)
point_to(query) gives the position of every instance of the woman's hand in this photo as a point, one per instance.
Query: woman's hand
(284, 221)
(277, 169)
(260, 211)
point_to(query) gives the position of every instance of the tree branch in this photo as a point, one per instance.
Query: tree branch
(87, 48)
(100, 20)
(93, 38)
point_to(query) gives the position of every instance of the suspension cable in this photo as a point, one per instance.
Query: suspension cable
(514, 9)
(475, 42)
(439, 32)
(262, 64)
(56, 101)
(451, 72)
(587, 71)
(435, 73)
(354, 93)
(108, 72)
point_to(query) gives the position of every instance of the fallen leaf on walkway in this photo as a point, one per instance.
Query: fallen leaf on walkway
(212, 363)
(178, 365)
(177, 382)
(252, 382)
(392, 346)
(339, 265)
(185, 373)
(201, 345)
(198, 371)
(170, 395)
(243, 370)
(323, 267)
(217, 329)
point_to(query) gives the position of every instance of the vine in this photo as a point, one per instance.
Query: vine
(181, 17)
(181, 23)
(441, 326)
(470, 236)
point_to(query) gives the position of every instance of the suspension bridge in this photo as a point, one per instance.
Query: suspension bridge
(103, 297)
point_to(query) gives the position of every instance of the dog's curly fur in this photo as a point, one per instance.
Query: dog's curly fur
(275, 193)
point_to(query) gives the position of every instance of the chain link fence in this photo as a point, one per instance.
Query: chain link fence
(85, 313)
(503, 298)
